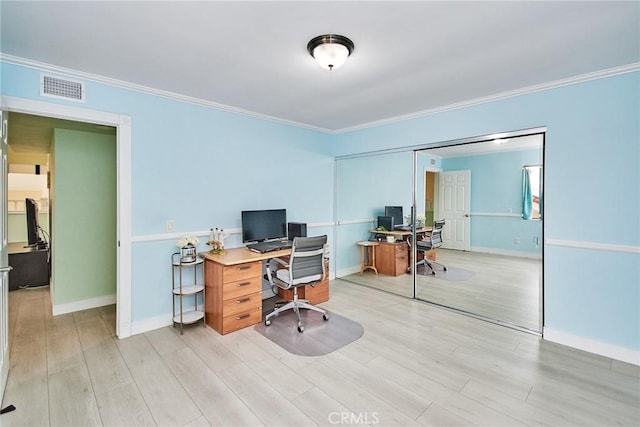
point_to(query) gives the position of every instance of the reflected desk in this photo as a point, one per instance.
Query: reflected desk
(233, 282)
(394, 258)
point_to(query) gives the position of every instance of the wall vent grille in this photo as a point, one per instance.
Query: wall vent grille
(61, 88)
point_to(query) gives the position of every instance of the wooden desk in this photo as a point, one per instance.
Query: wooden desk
(233, 282)
(394, 259)
(403, 234)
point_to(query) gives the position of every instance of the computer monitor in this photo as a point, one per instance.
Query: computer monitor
(386, 222)
(261, 225)
(396, 213)
(33, 228)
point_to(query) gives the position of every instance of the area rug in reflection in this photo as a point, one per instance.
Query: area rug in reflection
(452, 273)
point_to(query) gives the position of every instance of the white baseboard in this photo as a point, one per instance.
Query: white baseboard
(150, 324)
(592, 346)
(84, 304)
(157, 322)
(347, 271)
(506, 252)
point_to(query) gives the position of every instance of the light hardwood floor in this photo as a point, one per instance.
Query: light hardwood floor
(502, 288)
(415, 365)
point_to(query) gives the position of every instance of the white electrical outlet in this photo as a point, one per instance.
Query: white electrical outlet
(170, 225)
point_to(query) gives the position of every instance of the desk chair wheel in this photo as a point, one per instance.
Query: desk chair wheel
(325, 317)
(300, 328)
(267, 322)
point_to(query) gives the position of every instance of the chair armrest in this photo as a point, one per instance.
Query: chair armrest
(281, 262)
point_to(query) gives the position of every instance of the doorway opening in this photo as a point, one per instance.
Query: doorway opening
(122, 207)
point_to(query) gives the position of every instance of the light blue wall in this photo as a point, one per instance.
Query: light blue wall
(200, 167)
(207, 165)
(496, 189)
(592, 176)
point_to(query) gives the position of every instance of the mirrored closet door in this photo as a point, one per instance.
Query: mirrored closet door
(480, 189)
(489, 194)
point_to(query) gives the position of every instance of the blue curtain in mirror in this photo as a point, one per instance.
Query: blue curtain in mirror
(527, 199)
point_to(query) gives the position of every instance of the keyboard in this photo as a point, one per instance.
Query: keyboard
(271, 246)
(402, 227)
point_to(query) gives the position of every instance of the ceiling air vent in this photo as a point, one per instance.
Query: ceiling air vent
(61, 88)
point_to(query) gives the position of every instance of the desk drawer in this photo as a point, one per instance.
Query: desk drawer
(242, 320)
(233, 273)
(241, 287)
(241, 303)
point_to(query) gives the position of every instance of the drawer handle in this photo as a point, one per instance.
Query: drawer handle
(244, 267)
(243, 284)
(244, 316)
(243, 300)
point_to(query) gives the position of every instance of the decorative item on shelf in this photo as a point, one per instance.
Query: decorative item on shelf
(420, 220)
(187, 245)
(217, 241)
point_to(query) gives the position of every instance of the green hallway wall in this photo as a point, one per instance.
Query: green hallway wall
(83, 206)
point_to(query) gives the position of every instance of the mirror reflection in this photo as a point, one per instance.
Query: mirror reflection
(488, 258)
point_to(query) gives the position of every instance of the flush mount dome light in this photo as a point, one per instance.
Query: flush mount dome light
(330, 50)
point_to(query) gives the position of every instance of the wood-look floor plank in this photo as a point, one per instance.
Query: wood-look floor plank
(166, 398)
(166, 340)
(205, 342)
(436, 415)
(124, 406)
(107, 369)
(495, 397)
(219, 405)
(354, 396)
(416, 364)
(503, 288)
(271, 408)
(30, 398)
(404, 399)
(321, 408)
(277, 374)
(71, 398)
(93, 332)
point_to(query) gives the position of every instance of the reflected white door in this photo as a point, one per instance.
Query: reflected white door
(454, 206)
(4, 260)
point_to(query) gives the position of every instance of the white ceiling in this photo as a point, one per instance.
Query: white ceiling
(410, 57)
(475, 148)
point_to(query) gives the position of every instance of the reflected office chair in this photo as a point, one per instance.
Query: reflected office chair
(305, 266)
(431, 242)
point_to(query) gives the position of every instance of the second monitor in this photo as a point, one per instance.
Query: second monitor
(396, 213)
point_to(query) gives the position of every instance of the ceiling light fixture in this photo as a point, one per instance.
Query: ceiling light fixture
(330, 50)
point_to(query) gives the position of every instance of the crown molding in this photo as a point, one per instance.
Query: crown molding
(41, 66)
(222, 107)
(629, 68)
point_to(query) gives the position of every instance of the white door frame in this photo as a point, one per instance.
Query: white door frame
(122, 123)
(4, 260)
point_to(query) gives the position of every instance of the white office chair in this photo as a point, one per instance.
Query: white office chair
(431, 242)
(305, 266)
